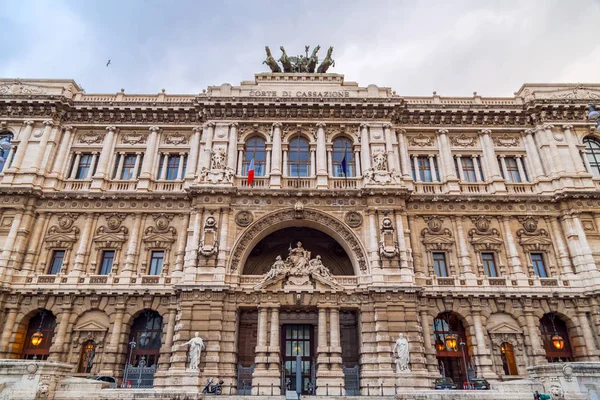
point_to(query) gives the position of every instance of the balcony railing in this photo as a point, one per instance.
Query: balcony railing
(345, 183)
(76, 185)
(167, 186)
(122, 186)
(519, 188)
(256, 183)
(475, 188)
(428, 188)
(298, 183)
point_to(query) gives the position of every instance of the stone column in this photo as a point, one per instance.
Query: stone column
(193, 240)
(263, 376)
(111, 359)
(240, 161)
(404, 157)
(446, 155)
(507, 176)
(533, 154)
(573, 243)
(555, 160)
(91, 170)
(329, 161)
(61, 155)
(426, 324)
(483, 356)
(132, 248)
(180, 167)
(181, 242)
(312, 162)
(193, 157)
(167, 349)
(392, 156)
(106, 153)
(9, 157)
(150, 153)
(365, 152)
(514, 261)
(285, 163)
(406, 273)
(521, 168)
(208, 140)
(9, 243)
(415, 248)
(48, 124)
(356, 162)
(476, 167)
(573, 150)
(334, 376)
(461, 173)
(7, 330)
(22, 147)
(561, 247)
(165, 165)
(57, 349)
(120, 165)
(586, 250)
(34, 243)
(223, 240)
(321, 156)
(276, 168)
(82, 249)
(592, 352)
(334, 338)
(274, 348)
(537, 351)
(233, 142)
(73, 173)
(415, 160)
(269, 150)
(136, 166)
(489, 155)
(322, 346)
(463, 251)
(435, 176)
(261, 347)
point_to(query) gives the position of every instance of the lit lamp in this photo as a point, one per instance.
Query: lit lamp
(452, 341)
(557, 341)
(439, 345)
(37, 338)
(503, 349)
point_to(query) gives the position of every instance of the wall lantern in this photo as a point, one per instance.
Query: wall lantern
(37, 338)
(452, 341)
(439, 345)
(558, 342)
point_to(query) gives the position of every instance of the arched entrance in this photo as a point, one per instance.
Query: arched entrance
(298, 218)
(452, 350)
(555, 337)
(38, 339)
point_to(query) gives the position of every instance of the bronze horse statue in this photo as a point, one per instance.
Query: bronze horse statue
(327, 62)
(285, 61)
(270, 61)
(313, 60)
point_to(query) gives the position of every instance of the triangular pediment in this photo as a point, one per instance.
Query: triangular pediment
(433, 239)
(90, 326)
(486, 239)
(504, 328)
(109, 237)
(61, 237)
(534, 240)
(160, 237)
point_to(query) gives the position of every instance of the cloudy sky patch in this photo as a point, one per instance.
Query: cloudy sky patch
(414, 47)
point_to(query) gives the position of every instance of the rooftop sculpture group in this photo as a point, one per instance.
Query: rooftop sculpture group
(300, 64)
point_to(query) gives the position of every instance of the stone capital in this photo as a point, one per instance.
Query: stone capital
(442, 131)
(485, 132)
(29, 122)
(530, 131)
(567, 127)
(388, 126)
(210, 125)
(233, 125)
(321, 125)
(154, 128)
(401, 130)
(111, 128)
(364, 126)
(48, 122)
(68, 128)
(197, 129)
(547, 126)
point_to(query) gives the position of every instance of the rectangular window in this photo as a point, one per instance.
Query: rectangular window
(489, 265)
(439, 265)
(84, 166)
(172, 170)
(513, 170)
(58, 256)
(156, 262)
(128, 171)
(468, 167)
(424, 169)
(108, 257)
(539, 268)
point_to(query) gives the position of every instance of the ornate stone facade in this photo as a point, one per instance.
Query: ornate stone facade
(481, 213)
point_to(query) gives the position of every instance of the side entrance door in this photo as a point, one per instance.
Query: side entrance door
(297, 340)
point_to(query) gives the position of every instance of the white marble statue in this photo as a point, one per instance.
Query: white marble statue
(401, 354)
(196, 346)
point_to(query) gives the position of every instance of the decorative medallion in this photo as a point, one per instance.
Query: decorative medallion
(481, 222)
(113, 221)
(244, 218)
(506, 140)
(65, 221)
(134, 138)
(529, 223)
(434, 224)
(353, 219)
(420, 140)
(91, 137)
(176, 138)
(462, 140)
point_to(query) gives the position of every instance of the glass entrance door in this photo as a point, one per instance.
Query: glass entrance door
(297, 340)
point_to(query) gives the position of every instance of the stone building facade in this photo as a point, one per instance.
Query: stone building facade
(470, 225)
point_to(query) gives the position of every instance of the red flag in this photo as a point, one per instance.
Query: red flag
(251, 172)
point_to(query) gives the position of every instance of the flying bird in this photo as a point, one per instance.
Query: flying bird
(108, 63)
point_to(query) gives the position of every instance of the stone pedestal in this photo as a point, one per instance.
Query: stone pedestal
(186, 380)
(29, 379)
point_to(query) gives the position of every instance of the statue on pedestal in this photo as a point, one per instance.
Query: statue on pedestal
(196, 346)
(401, 355)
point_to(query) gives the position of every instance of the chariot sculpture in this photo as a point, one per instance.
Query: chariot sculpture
(300, 63)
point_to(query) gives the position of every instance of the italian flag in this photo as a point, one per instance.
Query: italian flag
(251, 172)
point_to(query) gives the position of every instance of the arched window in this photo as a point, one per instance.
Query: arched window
(343, 158)
(254, 150)
(5, 145)
(146, 332)
(299, 157)
(39, 336)
(592, 153)
(556, 338)
(508, 359)
(451, 347)
(86, 358)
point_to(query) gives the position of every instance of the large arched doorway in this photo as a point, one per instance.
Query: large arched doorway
(38, 339)
(452, 350)
(263, 255)
(555, 337)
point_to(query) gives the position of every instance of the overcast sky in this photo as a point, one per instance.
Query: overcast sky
(453, 47)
